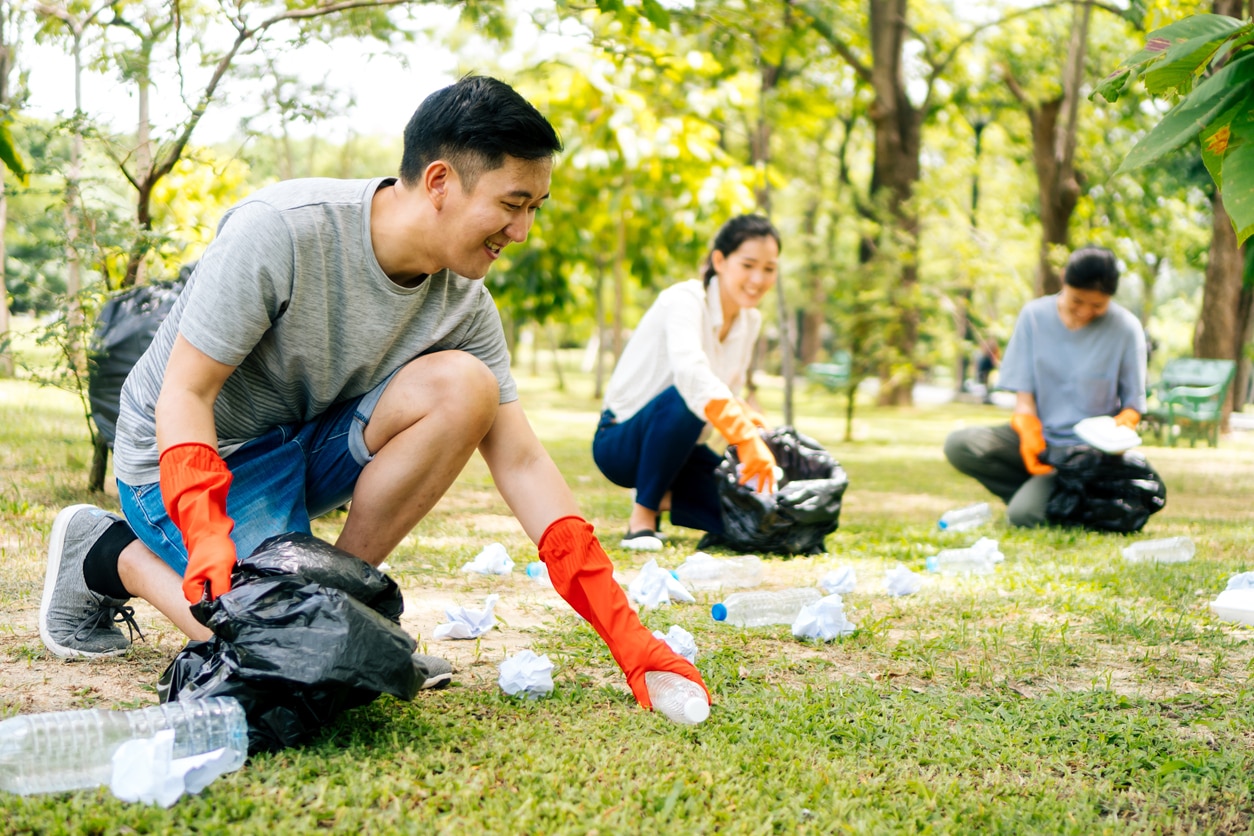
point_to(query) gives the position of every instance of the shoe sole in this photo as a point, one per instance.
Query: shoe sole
(55, 548)
(437, 682)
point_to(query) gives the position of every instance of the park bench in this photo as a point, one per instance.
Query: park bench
(1188, 402)
(833, 376)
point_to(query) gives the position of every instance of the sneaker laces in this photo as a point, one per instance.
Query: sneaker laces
(107, 614)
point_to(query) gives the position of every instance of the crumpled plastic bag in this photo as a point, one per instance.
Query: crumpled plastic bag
(305, 632)
(467, 624)
(679, 640)
(493, 560)
(987, 547)
(900, 581)
(145, 769)
(839, 581)
(655, 586)
(527, 675)
(1102, 492)
(795, 519)
(824, 619)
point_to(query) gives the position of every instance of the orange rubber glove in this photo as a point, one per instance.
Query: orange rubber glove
(1129, 418)
(729, 418)
(757, 418)
(581, 573)
(1031, 442)
(194, 485)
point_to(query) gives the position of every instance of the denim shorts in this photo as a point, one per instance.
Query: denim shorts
(279, 481)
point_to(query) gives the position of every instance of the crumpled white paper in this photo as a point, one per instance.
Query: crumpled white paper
(467, 624)
(680, 641)
(1244, 580)
(824, 619)
(528, 675)
(493, 560)
(146, 770)
(901, 581)
(839, 581)
(655, 586)
(988, 547)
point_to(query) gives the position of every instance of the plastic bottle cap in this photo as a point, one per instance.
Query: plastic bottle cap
(933, 565)
(719, 611)
(943, 524)
(696, 710)
(535, 569)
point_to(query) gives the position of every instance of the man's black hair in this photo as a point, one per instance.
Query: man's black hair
(1093, 268)
(734, 233)
(474, 125)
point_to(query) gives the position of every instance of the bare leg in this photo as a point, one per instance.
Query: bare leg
(427, 424)
(148, 577)
(642, 518)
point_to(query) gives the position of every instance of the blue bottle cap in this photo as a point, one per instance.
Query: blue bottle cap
(933, 565)
(943, 524)
(719, 611)
(535, 570)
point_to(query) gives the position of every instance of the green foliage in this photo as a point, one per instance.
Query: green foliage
(1217, 110)
(9, 154)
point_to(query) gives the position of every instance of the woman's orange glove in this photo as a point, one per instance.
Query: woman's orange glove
(581, 573)
(1031, 442)
(1129, 418)
(194, 485)
(730, 420)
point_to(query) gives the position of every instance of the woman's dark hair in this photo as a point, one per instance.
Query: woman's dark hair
(474, 125)
(734, 233)
(1092, 268)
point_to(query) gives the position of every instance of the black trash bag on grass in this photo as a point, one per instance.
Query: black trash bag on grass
(305, 632)
(1102, 492)
(795, 519)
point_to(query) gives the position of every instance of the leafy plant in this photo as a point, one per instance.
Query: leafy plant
(1208, 61)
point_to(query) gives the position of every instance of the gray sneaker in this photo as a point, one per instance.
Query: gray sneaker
(439, 672)
(73, 620)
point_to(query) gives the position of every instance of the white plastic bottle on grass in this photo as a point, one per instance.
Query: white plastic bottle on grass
(962, 519)
(69, 750)
(701, 571)
(961, 562)
(1166, 550)
(537, 571)
(679, 699)
(758, 609)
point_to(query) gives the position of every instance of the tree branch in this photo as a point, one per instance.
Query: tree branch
(813, 10)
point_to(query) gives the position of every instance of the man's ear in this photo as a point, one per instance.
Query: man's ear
(437, 180)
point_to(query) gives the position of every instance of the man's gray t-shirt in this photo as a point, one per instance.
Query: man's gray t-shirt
(290, 292)
(1095, 370)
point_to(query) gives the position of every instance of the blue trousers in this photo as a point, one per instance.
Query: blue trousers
(655, 451)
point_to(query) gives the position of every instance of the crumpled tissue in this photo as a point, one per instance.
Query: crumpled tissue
(493, 560)
(467, 624)
(839, 581)
(146, 770)
(988, 548)
(528, 675)
(655, 586)
(679, 640)
(1244, 580)
(824, 619)
(901, 581)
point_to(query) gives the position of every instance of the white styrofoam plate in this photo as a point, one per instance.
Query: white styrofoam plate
(1235, 605)
(1104, 434)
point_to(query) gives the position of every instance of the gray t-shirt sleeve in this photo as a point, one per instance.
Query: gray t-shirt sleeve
(1132, 372)
(243, 284)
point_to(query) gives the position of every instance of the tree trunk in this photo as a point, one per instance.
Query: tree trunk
(6, 350)
(896, 171)
(1218, 328)
(599, 334)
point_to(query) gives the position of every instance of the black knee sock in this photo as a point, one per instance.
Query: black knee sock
(100, 567)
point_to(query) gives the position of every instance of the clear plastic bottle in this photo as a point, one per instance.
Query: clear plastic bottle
(961, 562)
(1166, 550)
(68, 750)
(681, 700)
(537, 571)
(701, 571)
(758, 609)
(962, 519)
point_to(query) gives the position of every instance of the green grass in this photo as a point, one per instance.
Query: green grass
(1068, 693)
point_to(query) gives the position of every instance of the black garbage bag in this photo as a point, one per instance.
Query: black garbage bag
(306, 632)
(799, 515)
(123, 331)
(1103, 492)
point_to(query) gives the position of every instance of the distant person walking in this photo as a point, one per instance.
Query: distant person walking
(680, 374)
(1073, 355)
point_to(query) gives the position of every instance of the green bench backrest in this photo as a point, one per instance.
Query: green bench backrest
(1195, 371)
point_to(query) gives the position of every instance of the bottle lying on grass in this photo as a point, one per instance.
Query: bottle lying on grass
(680, 700)
(758, 609)
(1166, 550)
